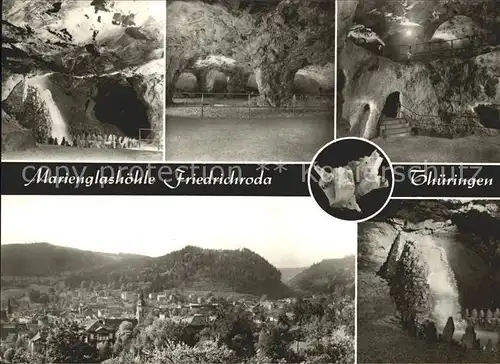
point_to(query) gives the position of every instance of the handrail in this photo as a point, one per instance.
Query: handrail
(474, 36)
(436, 116)
(396, 51)
(178, 92)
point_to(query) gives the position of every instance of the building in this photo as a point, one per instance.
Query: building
(203, 308)
(197, 321)
(10, 332)
(103, 330)
(128, 295)
(36, 342)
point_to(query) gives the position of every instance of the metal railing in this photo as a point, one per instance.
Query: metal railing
(207, 105)
(149, 139)
(468, 45)
(456, 124)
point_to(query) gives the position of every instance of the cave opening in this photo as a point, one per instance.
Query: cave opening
(489, 116)
(118, 104)
(392, 105)
(219, 83)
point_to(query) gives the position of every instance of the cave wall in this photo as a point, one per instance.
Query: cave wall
(75, 99)
(441, 95)
(25, 105)
(150, 90)
(404, 253)
(196, 30)
(371, 79)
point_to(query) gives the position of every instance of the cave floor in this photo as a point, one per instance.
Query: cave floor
(473, 149)
(280, 138)
(381, 343)
(382, 340)
(55, 153)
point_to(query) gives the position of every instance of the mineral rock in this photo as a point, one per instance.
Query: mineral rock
(339, 187)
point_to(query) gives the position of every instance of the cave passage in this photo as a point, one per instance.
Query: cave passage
(489, 116)
(119, 105)
(392, 105)
(219, 83)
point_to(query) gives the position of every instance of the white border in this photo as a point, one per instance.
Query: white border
(376, 147)
(165, 86)
(160, 160)
(335, 69)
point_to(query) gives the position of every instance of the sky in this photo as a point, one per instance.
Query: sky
(288, 232)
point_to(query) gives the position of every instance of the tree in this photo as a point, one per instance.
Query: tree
(9, 354)
(207, 352)
(123, 336)
(235, 330)
(105, 351)
(274, 341)
(338, 347)
(66, 344)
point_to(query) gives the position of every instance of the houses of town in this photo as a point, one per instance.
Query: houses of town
(100, 316)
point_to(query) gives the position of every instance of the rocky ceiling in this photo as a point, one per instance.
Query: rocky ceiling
(391, 17)
(81, 37)
(273, 38)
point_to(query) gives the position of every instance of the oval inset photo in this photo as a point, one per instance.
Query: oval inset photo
(351, 179)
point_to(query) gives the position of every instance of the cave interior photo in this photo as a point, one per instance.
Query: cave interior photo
(249, 80)
(83, 80)
(429, 283)
(421, 78)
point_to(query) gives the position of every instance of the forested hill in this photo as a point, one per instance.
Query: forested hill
(328, 276)
(43, 259)
(240, 271)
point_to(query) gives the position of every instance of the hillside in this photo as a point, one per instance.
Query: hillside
(193, 268)
(43, 259)
(327, 276)
(288, 274)
(241, 271)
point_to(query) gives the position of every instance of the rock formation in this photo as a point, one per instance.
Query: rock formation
(438, 94)
(436, 261)
(270, 42)
(449, 330)
(58, 66)
(343, 185)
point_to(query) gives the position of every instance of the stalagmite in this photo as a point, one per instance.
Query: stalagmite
(449, 330)
(469, 339)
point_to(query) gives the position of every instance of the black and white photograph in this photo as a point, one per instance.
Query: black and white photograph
(191, 280)
(351, 179)
(421, 78)
(249, 80)
(83, 80)
(429, 283)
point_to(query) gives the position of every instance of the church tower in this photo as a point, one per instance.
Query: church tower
(141, 307)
